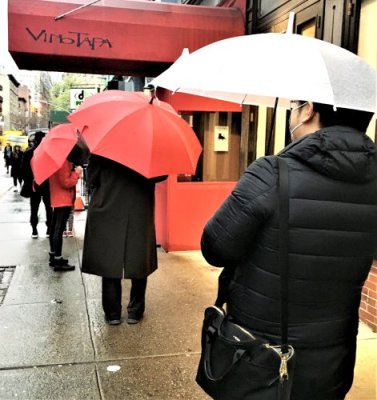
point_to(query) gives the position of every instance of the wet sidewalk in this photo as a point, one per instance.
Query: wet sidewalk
(54, 343)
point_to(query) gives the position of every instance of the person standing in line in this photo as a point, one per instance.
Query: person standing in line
(120, 238)
(63, 188)
(16, 162)
(35, 192)
(7, 156)
(332, 168)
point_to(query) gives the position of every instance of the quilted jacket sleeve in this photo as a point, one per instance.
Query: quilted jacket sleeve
(230, 232)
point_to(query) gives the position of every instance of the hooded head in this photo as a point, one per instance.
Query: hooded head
(38, 136)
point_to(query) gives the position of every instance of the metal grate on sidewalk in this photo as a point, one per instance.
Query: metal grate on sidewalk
(6, 275)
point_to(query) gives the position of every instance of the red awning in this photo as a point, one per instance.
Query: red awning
(139, 38)
(188, 102)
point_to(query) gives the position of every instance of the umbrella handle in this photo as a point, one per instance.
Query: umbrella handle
(272, 123)
(152, 98)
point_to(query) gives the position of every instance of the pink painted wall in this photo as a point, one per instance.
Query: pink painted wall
(183, 208)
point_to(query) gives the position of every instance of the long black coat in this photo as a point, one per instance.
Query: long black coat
(29, 186)
(16, 163)
(120, 239)
(332, 241)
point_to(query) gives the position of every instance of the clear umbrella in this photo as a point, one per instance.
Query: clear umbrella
(257, 69)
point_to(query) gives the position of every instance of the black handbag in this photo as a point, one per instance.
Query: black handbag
(26, 190)
(236, 365)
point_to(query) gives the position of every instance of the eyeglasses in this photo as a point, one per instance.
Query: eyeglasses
(293, 105)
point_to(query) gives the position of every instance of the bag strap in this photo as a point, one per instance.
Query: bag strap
(226, 275)
(283, 250)
(237, 356)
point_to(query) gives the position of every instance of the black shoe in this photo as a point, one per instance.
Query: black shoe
(52, 262)
(112, 320)
(133, 319)
(34, 234)
(63, 268)
(61, 264)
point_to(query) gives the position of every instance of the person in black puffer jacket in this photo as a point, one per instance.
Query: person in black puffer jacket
(332, 242)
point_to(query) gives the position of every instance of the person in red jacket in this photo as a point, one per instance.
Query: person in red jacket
(63, 188)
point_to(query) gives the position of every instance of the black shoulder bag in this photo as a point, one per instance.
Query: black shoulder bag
(236, 365)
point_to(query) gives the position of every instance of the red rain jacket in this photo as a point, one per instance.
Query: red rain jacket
(63, 186)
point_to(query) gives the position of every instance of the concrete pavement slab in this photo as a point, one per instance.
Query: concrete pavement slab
(26, 250)
(58, 382)
(15, 209)
(44, 334)
(157, 378)
(6, 183)
(38, 283)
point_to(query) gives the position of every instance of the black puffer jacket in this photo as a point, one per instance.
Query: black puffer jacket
(332, 241)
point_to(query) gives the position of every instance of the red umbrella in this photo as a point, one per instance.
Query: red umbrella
(145, 134)
(50, 155)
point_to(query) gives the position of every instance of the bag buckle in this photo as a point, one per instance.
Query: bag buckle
(284, 358)
(283, 370)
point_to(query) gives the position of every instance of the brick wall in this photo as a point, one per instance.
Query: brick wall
(368, 308)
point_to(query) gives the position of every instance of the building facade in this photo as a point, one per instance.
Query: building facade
(9, 102)
(23, 108)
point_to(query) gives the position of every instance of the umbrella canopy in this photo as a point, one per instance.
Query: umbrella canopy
(256, 69)
(50, 155)
(146, 135)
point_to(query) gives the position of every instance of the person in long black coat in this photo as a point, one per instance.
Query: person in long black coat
(36, 193)
(16, 162)
(120, 238)
(8, 156)
(332, 242)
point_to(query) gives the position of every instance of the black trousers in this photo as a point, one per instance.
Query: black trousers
(15, 179)
(35, 200)
(112, 297)
(59, 220)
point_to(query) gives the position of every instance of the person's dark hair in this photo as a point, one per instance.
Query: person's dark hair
(356, 119)
(38, 136)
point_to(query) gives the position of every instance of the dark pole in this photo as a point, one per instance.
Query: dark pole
(272, 124)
